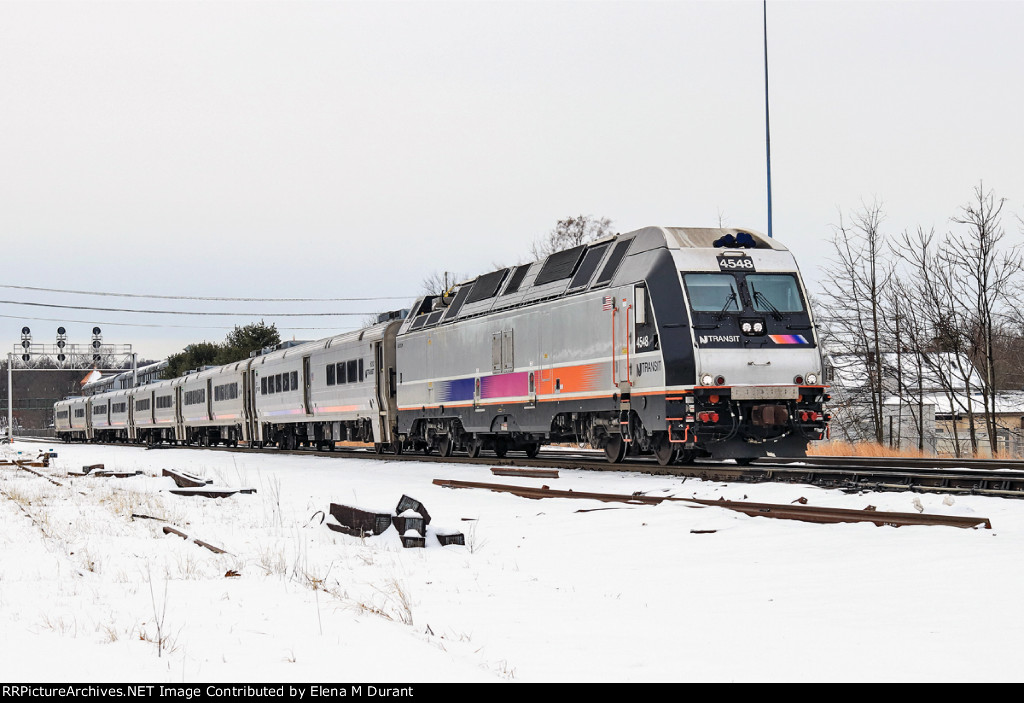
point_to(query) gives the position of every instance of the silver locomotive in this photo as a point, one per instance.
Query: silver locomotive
(675, 342)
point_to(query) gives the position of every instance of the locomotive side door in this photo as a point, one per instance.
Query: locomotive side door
(622, 328)
(645, 333)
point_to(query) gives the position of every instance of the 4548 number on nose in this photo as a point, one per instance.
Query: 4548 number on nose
(735, 263)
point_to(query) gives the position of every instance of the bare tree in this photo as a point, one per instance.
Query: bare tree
(937, 320)
(439, 282)
(982, 275)
(853, 300)
(571, 232)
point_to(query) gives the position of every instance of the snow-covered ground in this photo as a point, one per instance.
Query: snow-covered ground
(551, 590)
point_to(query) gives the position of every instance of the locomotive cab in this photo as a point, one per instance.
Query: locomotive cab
(758, 372)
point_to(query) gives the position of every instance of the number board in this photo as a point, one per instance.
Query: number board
(765, 392)
(735, 263)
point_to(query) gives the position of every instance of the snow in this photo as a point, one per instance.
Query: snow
(543, 590)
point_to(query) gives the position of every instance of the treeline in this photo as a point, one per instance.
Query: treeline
(239, 343)
(927, 312)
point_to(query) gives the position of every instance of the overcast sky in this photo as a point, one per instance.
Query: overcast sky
(337, 149)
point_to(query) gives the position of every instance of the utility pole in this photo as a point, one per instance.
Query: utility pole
(767, 127)
(10, 397)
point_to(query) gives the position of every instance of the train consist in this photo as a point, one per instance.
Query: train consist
(676, 342)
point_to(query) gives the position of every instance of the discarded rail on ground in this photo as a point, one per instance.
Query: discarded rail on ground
(801, 512)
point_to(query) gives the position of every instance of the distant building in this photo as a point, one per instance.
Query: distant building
(927, 402)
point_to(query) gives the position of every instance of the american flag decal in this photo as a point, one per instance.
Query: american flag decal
(608, 303)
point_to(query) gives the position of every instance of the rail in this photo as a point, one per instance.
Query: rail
(805, 513)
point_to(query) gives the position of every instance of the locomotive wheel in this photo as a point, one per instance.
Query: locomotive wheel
(615, 449)
(396, 446)
(474, 448)
(378, 447)
(445, 445)
(500, 448)
(532, 450)
(665, 452)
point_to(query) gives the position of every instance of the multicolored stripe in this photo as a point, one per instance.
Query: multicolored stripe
(275, 413)
(337, 409)
(789, 339)
(453, 391)
(506, 385)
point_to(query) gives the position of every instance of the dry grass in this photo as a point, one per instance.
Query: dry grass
(868, 449)
(873, 449)
(272, 560)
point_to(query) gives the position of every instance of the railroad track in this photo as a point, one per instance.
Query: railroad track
(1000, 478)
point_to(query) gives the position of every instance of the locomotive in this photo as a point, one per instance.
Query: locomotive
(674, 342)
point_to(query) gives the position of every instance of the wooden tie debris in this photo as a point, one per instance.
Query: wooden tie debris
(186, 480)
(193, 485)
(210, 492)
(526, 473)
(42, 460)
(101, 472)
(168, 530)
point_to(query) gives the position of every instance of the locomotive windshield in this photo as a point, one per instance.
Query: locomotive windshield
(718, 292)
(774, 293)
(712, 292)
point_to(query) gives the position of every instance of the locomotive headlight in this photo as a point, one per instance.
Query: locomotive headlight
(758, 327)
(746, 327)
(812, 379)
(707, 379)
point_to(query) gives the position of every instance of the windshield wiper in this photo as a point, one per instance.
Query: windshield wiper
(760, 297)
(728, 301)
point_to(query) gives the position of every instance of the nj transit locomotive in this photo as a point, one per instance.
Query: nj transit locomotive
(668, 341)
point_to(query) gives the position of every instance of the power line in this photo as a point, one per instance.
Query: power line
(143, 324)
(201, 297)
(183, 312)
